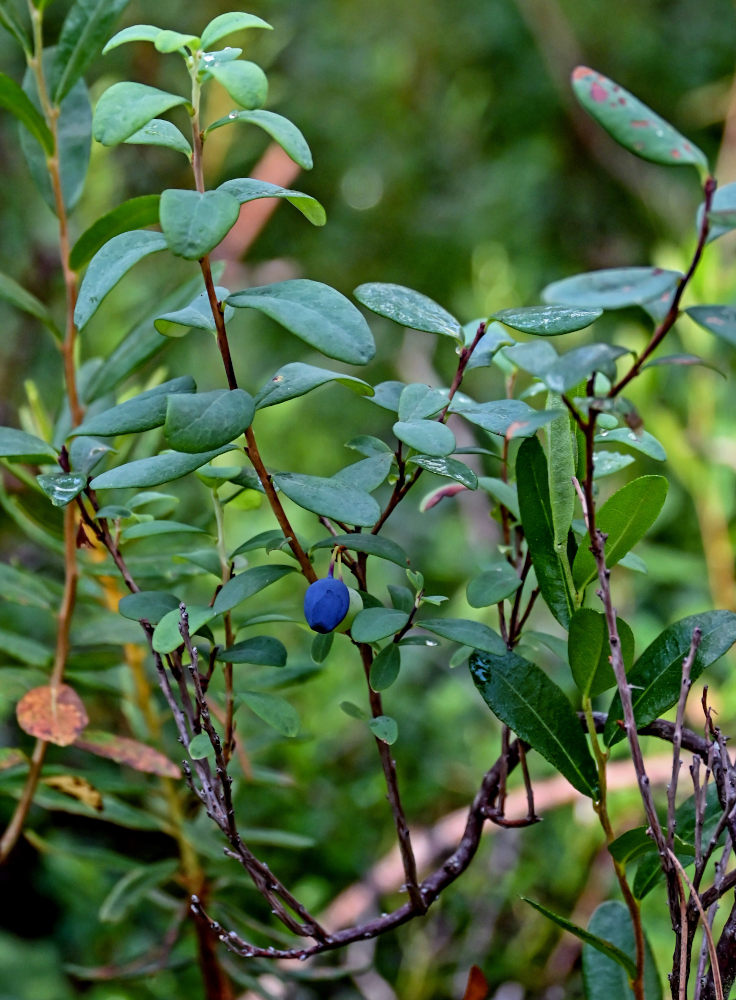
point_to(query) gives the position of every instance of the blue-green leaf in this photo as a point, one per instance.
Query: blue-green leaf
(548, 321)
(194, 222)
(163, 468)
(330, 498)
(246, 189)
(226, 24)
(206, 420)
(612, 288)
(126, 107)
(159, 132)
(109, 265)
(408, 308)
(281, 130)
(296, 379)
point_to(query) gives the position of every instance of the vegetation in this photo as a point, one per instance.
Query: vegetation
(246, 672)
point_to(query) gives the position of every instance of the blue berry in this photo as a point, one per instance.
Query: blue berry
(326, 603)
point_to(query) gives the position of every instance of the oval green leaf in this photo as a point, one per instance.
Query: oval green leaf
(384, 728)
(135, 213)
(612, 288)
(194, 222)
(140, 413)
(428, 436)
(297, 379)
(720, 320)
(17, 102)
(126, 107)
(226, 24)
(632, 124)
(281, 130)
(466, 632)
(201, 422)
(329, 498)
(153, 471)
(315, 313)
(21, 447)
(408, 308)
(148, 605)
(374, 545)
(244, 81)
(159, 132)
(589, 651)
(449, 468)
(548, 321)
(372, 624)
(492, 585)
(260, 649)
(273, 710)
(605, 978)
(246, 584)
(246, 189)
(385, 667)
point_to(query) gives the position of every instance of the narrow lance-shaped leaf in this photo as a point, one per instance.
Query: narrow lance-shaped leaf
(550, 563)
(631, 123)
(85, 28)
(14, 100)
(132, 214)
(109, 265)
(625, 518)
(154, 471)
(560, 436)
(16, 295)
(604, 978)
(656, 677)
(523, 696)
(589, 651)
(9, 21)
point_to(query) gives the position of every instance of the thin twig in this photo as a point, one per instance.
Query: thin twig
(706, 931)
(685, 685)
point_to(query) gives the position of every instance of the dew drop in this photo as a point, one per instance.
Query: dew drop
(303, 958)
(233, 114)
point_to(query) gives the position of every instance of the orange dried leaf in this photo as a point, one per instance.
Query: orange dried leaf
(126, 751)
(76, 788)
(55, 714)
(477, 988)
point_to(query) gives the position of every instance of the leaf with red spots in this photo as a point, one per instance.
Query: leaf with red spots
(720, 320)
(52, 713)
(631, 123)
(123, 750)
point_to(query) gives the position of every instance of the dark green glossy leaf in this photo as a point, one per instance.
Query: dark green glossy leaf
(244, 81)
(140, 413)
(226, 24)
(548, 321)
(632, 845)
(625, 518)
(329, 498)
(74, 129)
(296, 379)
(281, 130)
(321, 646)
(132, 214)
(589, 651)
(366, 475)
(159, 132)
(450, 468)
(523, 696)
(201, 422)
(246, 584)
(62, 487)
(466, 632)
(599, 943)
(85, 28)
(148, 605)
(385, 667)
(17, 102)
(427, 436)
(561, 450)
(372, 624)
(656, 677)
(260, 649)
(720, 320)
(21, 447)
(374, 545)
(492, 585)
(197, 315)
(16, 295)
(194, 222)
(612, 288)
(273, 710)
(249, 189)
(604, 978)
(384, 728)
(153, 471)
(317, 314)
(126, 107)
(632, 124)
(549, 559)
(109, 265)
(640, 440)
(408, 308)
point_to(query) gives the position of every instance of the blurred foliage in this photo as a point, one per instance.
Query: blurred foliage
(451, 159)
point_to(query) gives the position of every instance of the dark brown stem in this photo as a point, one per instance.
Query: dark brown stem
(674, 310)
(392, 789)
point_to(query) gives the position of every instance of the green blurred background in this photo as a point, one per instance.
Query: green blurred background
(450, 158)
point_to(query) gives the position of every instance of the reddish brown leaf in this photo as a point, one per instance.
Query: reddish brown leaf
(55, 714)
(477, 988)
(126, 751)
(76, 788)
